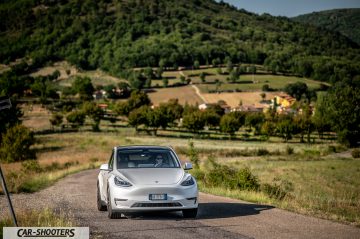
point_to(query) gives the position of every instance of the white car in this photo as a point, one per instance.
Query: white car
(146, 178)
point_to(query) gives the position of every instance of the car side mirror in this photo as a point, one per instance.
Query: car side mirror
(104, 167)
(188, 166)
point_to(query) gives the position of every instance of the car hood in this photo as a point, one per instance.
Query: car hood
(153, 176)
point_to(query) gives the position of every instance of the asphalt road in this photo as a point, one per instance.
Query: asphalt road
(218, 217)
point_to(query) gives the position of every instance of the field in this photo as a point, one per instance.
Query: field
(234, 99)
(183, 94)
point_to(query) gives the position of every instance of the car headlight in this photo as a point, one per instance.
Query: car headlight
(121, 182)
(188, 181)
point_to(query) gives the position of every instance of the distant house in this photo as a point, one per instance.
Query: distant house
(249, 108)
(283, 100)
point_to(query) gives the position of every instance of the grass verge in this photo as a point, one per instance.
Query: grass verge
(43, 218)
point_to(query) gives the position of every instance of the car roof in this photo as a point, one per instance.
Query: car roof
(142, 147)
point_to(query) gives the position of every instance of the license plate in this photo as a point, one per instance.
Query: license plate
(157, 196)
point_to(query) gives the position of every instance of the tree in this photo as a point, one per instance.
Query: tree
(304, 123)
(83, 87)
(93, 112)
(149, 74)
(165, 82)
(194, 121)
(182, 79)
(263, 96)
(255, 120)
(16, 143)
(229, 65)
(341, 109)
(154, 119)
(296, 90)
(138, 98)
(229, 124)
(285, 127)
(196, 64)
(56, 119)
(211, 118)
(138, 116)
(320, 120)
(234, 76)
(202, 77)
(76, 118)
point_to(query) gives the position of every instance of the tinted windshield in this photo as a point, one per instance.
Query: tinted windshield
(146, 158)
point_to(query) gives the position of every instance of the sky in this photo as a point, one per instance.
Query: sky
(292, 8)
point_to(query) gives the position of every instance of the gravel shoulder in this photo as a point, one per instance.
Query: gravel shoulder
(218, 217)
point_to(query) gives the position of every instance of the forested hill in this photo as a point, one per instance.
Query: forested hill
(115, 35)
(345, 21)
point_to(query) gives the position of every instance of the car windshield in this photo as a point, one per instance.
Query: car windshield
(146, 158)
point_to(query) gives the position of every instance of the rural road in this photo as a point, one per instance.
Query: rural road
(218, 217)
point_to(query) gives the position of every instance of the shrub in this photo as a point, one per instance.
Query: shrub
(289, 150)
(31, 165)
(16, 143)
(355, 153)
(279, 189)
(262, 152)
(223, 176)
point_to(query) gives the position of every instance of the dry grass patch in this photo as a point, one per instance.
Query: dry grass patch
(183, 94)
(234, 99)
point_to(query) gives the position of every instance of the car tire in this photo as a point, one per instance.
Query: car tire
(111, 213)
(190, 213)
(101, 205)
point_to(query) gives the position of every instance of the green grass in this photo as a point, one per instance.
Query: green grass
(43, 218)
(274, 81)
(327, 188)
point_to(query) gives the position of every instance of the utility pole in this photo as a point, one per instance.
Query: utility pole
(5, 103)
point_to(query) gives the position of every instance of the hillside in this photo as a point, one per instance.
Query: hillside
(345, 21)
(117, 35)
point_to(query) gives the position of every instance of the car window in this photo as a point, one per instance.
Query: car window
(146, 158)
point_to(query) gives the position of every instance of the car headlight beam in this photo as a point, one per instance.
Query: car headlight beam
(121, 182)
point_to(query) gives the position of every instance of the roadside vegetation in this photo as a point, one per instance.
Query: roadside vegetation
(42, 218)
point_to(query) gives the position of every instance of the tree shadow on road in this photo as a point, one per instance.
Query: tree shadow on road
(207, 211)
(225, 210)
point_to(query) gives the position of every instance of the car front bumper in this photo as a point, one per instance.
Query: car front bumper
(136, 199)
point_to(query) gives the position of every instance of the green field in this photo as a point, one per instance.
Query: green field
(274, 81)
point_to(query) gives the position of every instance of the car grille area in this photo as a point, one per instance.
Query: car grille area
(166, 204)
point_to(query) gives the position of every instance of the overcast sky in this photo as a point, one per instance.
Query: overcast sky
(291, 8)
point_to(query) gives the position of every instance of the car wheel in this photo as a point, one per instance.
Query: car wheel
(190, 213)
(111, 213)
(101, 205)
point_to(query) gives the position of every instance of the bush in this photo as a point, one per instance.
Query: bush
(289, 150)
(279, 189)
(355, 153)
(16, 143)
(262, 152)
(223, 176)
(31, 165)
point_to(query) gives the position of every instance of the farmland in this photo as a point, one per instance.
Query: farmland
(185, 94)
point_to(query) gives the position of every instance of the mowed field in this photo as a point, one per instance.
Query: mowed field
(185, 94)
(234, 99)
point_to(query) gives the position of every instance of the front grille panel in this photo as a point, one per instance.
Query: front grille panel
(166, 204)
